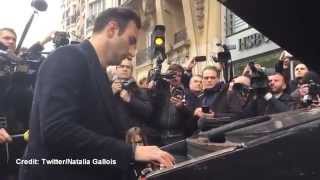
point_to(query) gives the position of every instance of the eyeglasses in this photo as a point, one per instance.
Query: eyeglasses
(209, 77)
(125, 66)
(138, 142)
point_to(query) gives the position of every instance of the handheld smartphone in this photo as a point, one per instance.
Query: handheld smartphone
(205, 109)
(200, 58)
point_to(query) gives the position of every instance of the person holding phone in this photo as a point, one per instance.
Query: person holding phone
(216, 102)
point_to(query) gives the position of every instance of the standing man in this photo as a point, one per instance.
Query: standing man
(8, 38)
(74, 113)
(134, 103)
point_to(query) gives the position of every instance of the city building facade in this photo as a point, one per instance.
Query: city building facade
(73, 18)
(192, 29)
(78, 15)
(250, 45)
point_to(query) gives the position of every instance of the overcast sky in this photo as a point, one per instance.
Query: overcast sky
(16, 13)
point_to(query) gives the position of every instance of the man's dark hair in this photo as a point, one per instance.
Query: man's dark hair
(8, 29)
(176, 68)
(120, 15)
(212, 68)
(279, 74)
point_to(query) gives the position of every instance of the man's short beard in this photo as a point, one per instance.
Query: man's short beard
(280, 91)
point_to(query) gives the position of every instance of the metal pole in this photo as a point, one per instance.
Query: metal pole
(25, 31)
(291, 70)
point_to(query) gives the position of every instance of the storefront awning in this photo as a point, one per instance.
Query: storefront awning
(292, 24)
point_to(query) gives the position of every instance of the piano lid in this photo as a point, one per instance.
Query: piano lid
(292, 24)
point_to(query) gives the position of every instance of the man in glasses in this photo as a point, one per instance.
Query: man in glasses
(133, 101)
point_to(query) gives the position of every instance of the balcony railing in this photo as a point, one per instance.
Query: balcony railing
(180, 36)
(143, 56)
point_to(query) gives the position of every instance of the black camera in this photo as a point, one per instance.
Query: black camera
(128, 84)
(61, 39)
(311, 97)
(259, 80)
(8, 62)
(314, 88)
(178, 92)
(242, 89)
(225, 55)
(169, 75)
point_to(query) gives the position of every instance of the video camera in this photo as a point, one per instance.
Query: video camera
(61, 39)
(259, 80)
(242, 89)
(128, 84)
(225, 55)
(8, 61)
(312, 96)
(178, 92)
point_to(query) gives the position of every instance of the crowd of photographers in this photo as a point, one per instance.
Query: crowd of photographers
(178, 104)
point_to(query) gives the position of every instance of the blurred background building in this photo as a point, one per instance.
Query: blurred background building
(193, 28)
(250, 44)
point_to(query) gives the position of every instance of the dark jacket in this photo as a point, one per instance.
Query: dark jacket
(167, 120)
(192, 102)
(259, 106)
(138, 110)
(74, 116)
(221, 102)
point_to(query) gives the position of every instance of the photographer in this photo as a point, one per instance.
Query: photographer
(300, 71)
(168, 97)
(309, 91)
(34, 52)
(134, 102)
(270, 98)
(240, 87)
(217, 105)
(192, 101)
(15, 103)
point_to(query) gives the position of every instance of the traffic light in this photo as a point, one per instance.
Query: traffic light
(158, 41)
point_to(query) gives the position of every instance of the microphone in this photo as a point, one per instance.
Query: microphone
(25, 136)
(40, 5)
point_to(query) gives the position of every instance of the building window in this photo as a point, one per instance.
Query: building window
(94, 9)
(234, 23)
(180, 36)
(266, 60)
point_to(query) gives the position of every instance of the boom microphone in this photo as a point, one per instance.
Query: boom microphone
(40, 5)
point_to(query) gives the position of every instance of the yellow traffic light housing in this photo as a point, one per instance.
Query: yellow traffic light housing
(158, 41)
